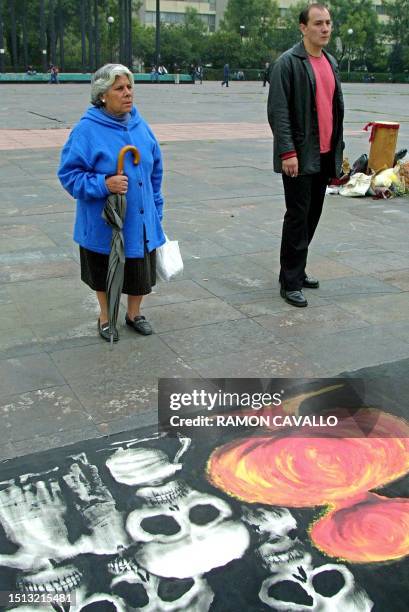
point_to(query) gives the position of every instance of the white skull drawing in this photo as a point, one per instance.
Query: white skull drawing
(143, 591)
(279, 545)
(184, 532)
(327, 588)
(141, 466)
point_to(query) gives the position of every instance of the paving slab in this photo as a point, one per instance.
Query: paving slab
(214, 339)
(267, 361)
(372, 308)
(297, 323)
(334, 353)
(396, 278)
(28, 373)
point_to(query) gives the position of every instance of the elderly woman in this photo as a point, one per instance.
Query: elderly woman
(88, 172)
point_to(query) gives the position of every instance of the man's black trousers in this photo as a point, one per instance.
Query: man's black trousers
(304, 197)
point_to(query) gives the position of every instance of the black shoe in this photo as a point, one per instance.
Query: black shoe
(103, 331)
(140, 325)
(295, 298)
(310, 282)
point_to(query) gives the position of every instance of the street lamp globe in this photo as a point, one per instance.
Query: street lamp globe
(110, 21)
(349, 32)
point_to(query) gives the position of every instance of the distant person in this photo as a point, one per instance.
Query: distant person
(240, 75)
(226, 75)
(305, 112)
(266, 74)
(199, 74)
(154, 74)
(88, 171)
(192, 72)
(53, 70)
(176, 72)
(30, 70)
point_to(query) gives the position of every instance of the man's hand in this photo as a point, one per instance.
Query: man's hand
(117, 183)
(290, 166)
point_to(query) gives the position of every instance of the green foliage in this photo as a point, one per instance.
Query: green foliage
(254, 15)
(397, 30)
(223, 47)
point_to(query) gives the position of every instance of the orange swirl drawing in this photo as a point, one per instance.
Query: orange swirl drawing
(374, 529)
(337, 471)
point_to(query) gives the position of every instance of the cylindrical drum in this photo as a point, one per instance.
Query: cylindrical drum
(383, 139)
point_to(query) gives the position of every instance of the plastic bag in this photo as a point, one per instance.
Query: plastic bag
(385, 178)
(360, 164)
(169, 261)
(357, 185)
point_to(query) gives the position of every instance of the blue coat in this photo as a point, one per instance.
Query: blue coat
(89, 156)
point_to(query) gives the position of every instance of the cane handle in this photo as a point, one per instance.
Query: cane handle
(135, 153)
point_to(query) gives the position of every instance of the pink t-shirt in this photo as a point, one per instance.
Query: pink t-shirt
(325, 88)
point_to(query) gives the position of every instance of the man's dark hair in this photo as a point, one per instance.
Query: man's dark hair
(305, 13)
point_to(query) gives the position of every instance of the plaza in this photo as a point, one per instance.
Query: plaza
(224, 317)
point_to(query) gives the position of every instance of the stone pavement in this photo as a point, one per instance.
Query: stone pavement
(224, 318)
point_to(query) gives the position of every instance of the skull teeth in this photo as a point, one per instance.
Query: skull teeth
(163, 495)
(289, 556)
(120, 565)
(39, 583)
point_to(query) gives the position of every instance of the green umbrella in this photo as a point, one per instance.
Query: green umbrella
(114, 214)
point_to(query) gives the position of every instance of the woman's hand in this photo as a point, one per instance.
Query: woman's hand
(117, 183)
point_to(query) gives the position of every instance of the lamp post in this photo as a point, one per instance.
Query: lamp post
(350, 34)
(157, 34)
(2, 50)
(242, 29)
(110, 21)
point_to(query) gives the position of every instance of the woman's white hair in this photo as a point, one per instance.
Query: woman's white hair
(104, 77)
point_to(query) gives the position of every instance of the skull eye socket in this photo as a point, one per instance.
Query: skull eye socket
(160, 525)
(172, 590)
(290, 591)
(100, 606)
(202, 514)
(135, 595)
(328, 583)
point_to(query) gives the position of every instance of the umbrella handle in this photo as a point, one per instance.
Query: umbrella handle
(136, 157)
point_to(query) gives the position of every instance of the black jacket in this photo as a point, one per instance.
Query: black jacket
(292, 112)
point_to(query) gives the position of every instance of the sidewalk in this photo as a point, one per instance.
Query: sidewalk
(224, 318)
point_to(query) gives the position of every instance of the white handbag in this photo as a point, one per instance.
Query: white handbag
(169, 261)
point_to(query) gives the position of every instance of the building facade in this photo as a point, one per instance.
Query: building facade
(173, 11)
(211, 11)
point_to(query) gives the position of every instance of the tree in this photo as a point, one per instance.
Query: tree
(254, 15)
(397, 31)
(359, 16)
(195, 31)
(223, 47)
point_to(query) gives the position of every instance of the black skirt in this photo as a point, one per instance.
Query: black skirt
(139, 274)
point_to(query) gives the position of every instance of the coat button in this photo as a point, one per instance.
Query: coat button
(140, 183)
(141, 211)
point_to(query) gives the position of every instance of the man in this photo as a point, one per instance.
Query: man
(226, 75)
(305, 112)
(266, 76)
